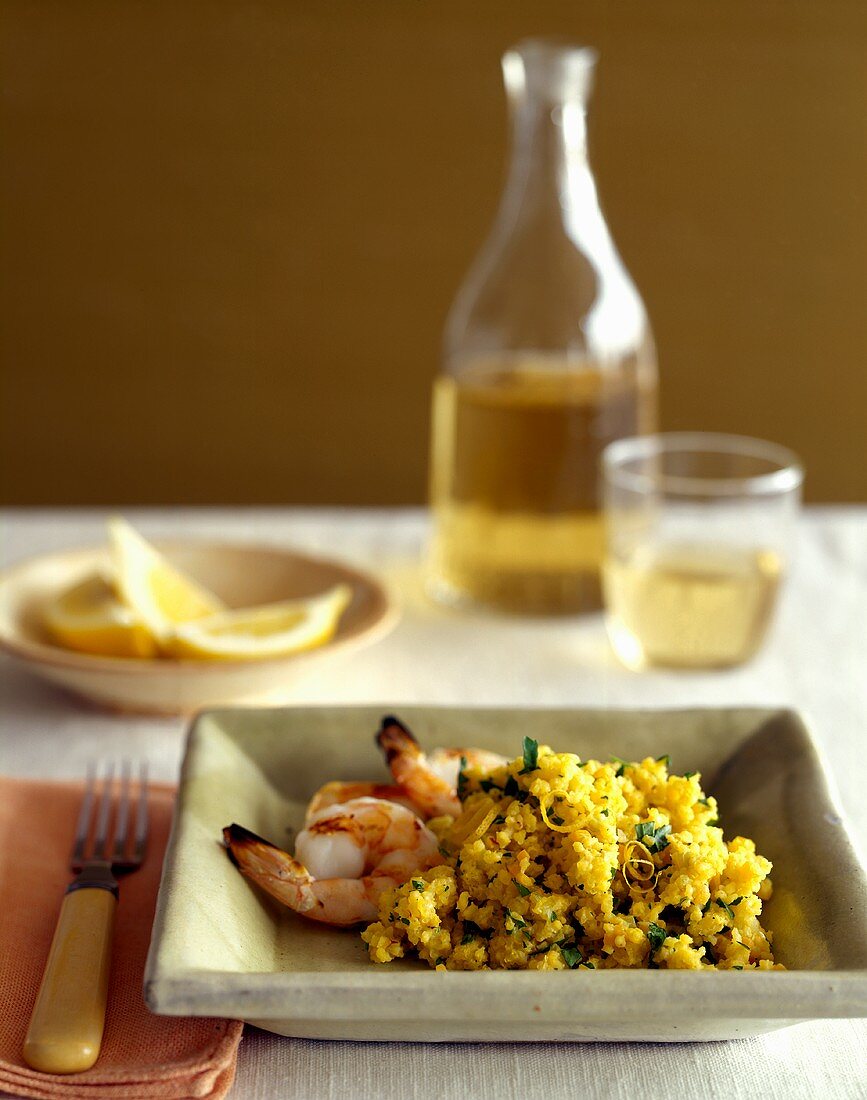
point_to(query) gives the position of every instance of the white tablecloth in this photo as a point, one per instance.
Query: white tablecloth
(816, 659)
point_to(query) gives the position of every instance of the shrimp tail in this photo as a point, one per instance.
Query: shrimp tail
(411, 770)
(395, 739)
(236, 839)
(278, 873)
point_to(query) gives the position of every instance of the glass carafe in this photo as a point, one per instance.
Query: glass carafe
(548, 357)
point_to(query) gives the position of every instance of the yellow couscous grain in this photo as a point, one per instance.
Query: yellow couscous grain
(560, 863)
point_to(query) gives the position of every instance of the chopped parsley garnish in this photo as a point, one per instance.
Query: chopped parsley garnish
(738, 900)
(654, 837)
(689, 775)
(706, 906)
(623, 764)
(417, 884)
(656, 935)
(556, 819)
(472, 931)
(489, 785)
(664, 760)
(511, 788)
(703, 801)
(552, 916)
(572, 956)
(499, 820)
(737, 968)
(403, 920)
(531, 755)
(522, 889)
(713, 821)
(727, 907)
(443, 851)
(516, 920)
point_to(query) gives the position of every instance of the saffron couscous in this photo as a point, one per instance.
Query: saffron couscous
(557, 863)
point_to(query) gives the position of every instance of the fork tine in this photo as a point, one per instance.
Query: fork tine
(109, 794)
(141, 820)
(122, 822)
(101, 841)
(82, 827)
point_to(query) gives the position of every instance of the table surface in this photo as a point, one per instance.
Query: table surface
(815, 660)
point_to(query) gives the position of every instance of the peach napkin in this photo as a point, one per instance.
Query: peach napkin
(142, 1055)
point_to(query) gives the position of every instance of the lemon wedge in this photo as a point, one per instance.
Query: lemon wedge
(89, 618)
(273, 630)
(160, 595)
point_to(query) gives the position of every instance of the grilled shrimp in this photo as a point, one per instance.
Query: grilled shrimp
(338, 792)
(430, 781)
(348, 855)
(446, 763)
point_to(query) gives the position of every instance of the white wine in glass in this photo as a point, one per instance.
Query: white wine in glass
(700, 529)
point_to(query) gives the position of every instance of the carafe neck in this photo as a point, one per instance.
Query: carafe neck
(549, 277)
(548, 86)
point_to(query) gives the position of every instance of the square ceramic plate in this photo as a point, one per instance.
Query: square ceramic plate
(222, 948)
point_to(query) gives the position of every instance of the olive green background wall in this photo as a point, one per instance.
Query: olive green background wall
(231, 231)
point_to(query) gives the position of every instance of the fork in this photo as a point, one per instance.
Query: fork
(68, 1018)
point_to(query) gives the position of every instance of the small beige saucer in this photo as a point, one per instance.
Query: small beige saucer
(241, 575)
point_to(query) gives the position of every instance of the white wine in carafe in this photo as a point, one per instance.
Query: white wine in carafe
(514, 479)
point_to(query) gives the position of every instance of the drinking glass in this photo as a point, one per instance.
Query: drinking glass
(700, 530)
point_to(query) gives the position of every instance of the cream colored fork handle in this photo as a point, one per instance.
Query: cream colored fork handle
(65, 1030)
